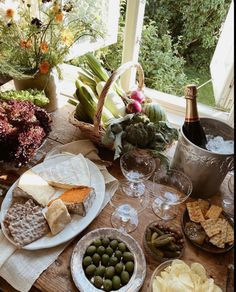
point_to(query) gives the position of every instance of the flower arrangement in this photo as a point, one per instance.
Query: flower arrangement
(35, 36)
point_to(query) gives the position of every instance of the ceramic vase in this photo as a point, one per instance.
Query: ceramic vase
(47, 82)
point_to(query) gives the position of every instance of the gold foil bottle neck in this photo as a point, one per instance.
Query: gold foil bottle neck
(190, 91)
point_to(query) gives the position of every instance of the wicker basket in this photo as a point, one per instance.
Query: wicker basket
(95, 131)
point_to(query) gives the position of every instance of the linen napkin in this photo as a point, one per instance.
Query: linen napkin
(21, 268)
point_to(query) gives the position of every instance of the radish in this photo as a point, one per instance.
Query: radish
(134, 107)
(137, 95)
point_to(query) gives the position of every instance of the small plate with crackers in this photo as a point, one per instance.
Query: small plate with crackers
(208, 227)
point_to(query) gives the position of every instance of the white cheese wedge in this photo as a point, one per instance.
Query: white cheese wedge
(57, 216)
(36, 187)
(68, 173)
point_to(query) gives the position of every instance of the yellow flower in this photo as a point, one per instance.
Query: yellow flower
(56, 8)
(67, 37)
(44, 47)
(44, 67)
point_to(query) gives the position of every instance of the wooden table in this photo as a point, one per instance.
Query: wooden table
(57, 277)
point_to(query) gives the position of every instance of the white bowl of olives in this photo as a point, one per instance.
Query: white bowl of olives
(108, 260)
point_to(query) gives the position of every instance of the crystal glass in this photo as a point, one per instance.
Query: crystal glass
(137, 166)
(170, 187)
(127, 208)
(228, 201)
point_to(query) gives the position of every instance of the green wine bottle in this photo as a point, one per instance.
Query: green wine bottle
(192, 128)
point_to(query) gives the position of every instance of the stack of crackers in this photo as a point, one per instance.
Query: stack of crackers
(216, 226)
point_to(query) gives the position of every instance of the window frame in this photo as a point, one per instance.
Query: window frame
(174, 104)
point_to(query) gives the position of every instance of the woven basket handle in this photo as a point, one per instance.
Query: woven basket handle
(115, 75)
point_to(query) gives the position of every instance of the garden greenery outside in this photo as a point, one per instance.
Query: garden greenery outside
(178, 42)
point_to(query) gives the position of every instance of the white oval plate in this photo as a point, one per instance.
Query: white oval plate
(78, 223)
(77, 271)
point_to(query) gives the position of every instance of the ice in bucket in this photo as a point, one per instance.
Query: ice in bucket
(207, 169)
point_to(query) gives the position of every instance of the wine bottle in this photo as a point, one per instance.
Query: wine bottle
(192, 128)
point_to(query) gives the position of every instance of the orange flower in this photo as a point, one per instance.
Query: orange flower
(59, 17)
(25, 44)
(44, 67)
(9, 13)
(44, 47)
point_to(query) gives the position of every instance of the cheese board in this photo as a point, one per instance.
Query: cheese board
(78, 223)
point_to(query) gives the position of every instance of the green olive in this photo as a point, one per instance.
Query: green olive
(114, 244)
(100, 271)
(105, 241)
(119, 268)
(90, 270)
(113, 261)
(91, 250)
(118, 254)
(105, 259)
(110, 272)
(107, 285)
(96, 259)
(87, 261)
(101, 250)
(109, 251)
(97, 242)
(98, 281)
(122, 247)
(129, 267)
(116, 282)
(128, 256)
(124, 276)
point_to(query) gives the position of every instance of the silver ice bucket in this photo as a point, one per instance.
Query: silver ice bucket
(206, 169)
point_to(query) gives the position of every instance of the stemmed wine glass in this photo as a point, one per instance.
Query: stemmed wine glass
(170, 187)
(127, 208)
(132, 197)
(228, 201)
(137, 166)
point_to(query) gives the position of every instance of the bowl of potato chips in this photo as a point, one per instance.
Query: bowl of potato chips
(178, 276)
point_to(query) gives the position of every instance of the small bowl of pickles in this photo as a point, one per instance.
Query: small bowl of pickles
(163, 241)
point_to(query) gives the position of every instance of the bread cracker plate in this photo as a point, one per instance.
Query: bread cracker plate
(208, 247)
(78, 223)
(77, 271)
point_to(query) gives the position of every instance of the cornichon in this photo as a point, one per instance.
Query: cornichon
(155, 250)
(173, 247)
(165, 236)
(148, 234)
(154, 236)
(155, 229)
(162, 242)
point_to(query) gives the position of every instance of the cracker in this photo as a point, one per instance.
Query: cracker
(211, 227)
(214, 212)
(229, 234)
(204, 206)
(194, 211)
(219, 239)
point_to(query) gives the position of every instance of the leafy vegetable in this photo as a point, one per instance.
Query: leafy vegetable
(136, 131)
(36, 96)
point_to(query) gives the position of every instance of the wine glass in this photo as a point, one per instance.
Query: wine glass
(137, 166)
(170, 187)
(228, 201)
(127, 208)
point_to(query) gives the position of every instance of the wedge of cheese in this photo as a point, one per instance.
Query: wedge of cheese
(57, 216)
(68, 173)
(36, 187)
(77, 200)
